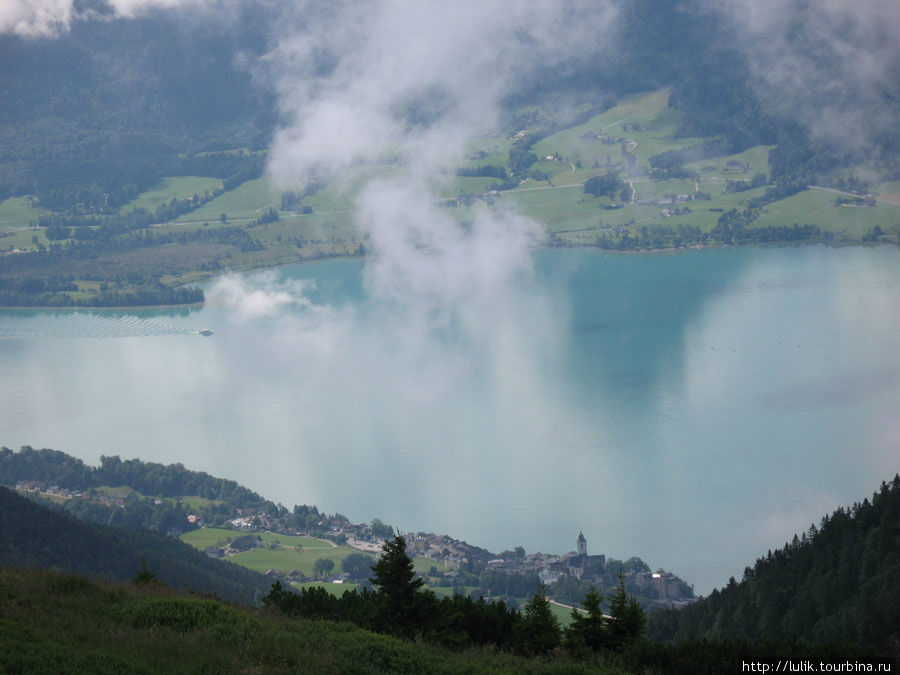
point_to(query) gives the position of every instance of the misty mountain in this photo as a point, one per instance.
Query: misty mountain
(93, 114)
(110, 106)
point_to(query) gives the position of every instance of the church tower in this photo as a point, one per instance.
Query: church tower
(582, 544)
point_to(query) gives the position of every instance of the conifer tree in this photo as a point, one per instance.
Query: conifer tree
(398, 586)
(589, 628)
(539, 630)
(627, 618)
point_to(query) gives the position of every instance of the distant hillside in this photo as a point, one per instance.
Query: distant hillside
(839, 582)
(33, 536)
(94, 116)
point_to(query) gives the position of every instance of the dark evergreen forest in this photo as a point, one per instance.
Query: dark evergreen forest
(838, 582)
(34, 536)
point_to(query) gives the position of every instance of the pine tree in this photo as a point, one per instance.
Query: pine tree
(539, 630)
(590, 628)
(627, 618)
(398, 587)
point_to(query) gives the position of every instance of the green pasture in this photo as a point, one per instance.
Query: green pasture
(16, 212)
(332, 226)
(118, 491)
(178, 187)
(817, 208)
(22, 239)
(246, 202)
(568, 208)
(289, 552)
(209, 536)
(757, 157)
(651, 189)
(658, 124)
(195, 502)
(496, 146)
(285, 559)
(423, 565)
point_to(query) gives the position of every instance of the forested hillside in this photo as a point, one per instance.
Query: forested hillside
(33, 536)
(95, 115)
(91, 117)
(838, 582)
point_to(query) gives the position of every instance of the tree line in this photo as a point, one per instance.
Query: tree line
(401, 605)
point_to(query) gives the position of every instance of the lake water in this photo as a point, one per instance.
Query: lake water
(693, 408)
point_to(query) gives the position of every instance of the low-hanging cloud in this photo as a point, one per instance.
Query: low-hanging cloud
(360, 82)
(49, 18)
(257, 296)
(831, 65)
(454, 350)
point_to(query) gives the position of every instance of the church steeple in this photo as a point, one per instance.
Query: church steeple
(581, 543)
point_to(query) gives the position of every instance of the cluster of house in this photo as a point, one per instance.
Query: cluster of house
(548, 566)
(236, 545)
(54, 491)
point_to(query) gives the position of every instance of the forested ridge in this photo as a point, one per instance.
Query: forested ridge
(144, 508)
(838, 582)
(34, 536)
(92, 117)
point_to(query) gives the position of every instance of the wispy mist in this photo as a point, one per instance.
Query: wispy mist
(831, 65)
(48, 18)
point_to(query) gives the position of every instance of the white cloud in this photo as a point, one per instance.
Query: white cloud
(50, 18)
(35, 18)
(830, 64)
(256, 296)
(451, 62)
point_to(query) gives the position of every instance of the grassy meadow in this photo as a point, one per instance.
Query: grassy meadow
(172, 187)
(286, 552)
(60, 623)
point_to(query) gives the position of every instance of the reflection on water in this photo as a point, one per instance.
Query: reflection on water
(81, 325)
(695, 408)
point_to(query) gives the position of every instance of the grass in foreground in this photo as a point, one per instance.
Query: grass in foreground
(53, 623)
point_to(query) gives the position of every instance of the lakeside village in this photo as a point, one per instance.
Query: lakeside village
(464, 565)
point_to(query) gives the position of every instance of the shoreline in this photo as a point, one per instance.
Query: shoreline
(243, 270)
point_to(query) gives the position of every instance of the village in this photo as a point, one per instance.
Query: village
(458, 565)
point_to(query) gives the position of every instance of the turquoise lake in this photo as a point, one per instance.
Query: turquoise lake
(694, 408)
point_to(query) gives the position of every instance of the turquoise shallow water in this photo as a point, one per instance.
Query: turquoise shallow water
(693, 408)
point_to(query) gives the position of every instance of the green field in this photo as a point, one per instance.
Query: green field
(15, 212)
(16, 217)
(208, 536)
(649, 110)
(817, 207)
(288, 553)
(118, 491)
(177, 187)
(245, 202)
(757, 157)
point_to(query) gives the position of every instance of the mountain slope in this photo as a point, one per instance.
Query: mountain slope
(33, 536)
(839, 582)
